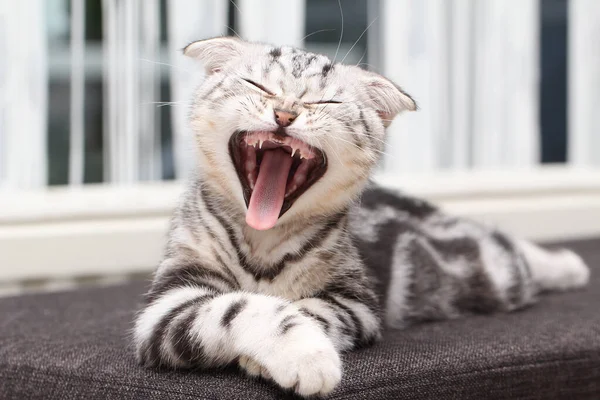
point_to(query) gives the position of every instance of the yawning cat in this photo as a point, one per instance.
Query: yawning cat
(271, 250)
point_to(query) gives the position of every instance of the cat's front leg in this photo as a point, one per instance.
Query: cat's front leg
(281, 343)
(346, 321)
(191, 326)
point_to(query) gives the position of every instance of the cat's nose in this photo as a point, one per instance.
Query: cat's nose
(284, 118)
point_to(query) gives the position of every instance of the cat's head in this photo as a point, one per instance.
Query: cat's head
(288, 134)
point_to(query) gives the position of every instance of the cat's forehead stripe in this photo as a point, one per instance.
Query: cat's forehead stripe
(300, 61)
(326, 69)
(276, 52)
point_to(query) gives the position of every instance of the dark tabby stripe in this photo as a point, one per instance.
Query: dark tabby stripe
(313, 243)
(187, 275)
(228, 229)
(226, 268)
(275, 52)
(215, 240)
(326, 69)
(216, 86)
(271, 273)
(376, 198)
(364, 122)
(187, 350)
(234, 309)
(280, 308)
(519, 267)
(360, 292)
(286, 324)
(152, 355)
(324, 323)
(303, 92)
(456, 248)
(356, 331)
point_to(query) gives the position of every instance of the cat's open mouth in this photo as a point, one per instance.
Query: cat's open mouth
(274, 169)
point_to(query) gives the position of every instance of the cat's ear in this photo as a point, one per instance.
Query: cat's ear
(388, 98)
(215, 53)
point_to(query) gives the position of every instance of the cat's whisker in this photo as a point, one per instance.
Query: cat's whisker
(166, 64)
(240, 13)
(233, 30)
(335, 153)
(321, 115)
(370, 137)
(357, 40)
(251, 100)
(342, 32)
(166, 103)
(235, 6)
(361, 57)
(215, 152)
(354, 145)
(323, 110)
(315, 32)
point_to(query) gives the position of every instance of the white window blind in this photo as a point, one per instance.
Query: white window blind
(473, 68)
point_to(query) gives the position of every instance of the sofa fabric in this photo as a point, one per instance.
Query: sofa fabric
(76, 345)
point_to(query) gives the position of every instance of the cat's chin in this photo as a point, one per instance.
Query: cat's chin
(274, 170)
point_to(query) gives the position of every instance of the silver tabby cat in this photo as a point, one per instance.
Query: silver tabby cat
(271, 252)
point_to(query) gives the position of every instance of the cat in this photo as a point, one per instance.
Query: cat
(272, 251)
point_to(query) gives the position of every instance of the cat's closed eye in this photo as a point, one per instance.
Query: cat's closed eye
(259, 86)
(324, 102)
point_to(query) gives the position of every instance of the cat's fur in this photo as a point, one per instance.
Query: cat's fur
(285, 302)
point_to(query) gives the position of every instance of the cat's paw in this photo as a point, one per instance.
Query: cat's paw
(253, 368)
(306, 362)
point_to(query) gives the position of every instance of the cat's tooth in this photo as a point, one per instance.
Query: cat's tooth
(260, 143)
(294, 152)
(302, 169)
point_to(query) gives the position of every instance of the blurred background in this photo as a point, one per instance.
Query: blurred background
(93, 101)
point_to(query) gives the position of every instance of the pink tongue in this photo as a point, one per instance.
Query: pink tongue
(269, 191)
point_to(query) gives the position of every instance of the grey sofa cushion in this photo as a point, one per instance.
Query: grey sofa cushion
(76, 346)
